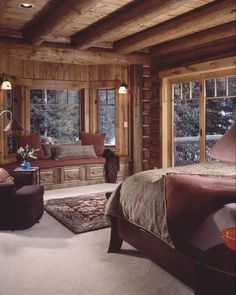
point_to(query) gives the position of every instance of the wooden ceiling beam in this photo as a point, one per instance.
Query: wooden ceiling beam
(132, 14)
(36, 31)
(214, 50)
(196, 39)
(62, 53)
(211, 15)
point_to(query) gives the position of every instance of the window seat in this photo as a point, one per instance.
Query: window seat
(67, 172)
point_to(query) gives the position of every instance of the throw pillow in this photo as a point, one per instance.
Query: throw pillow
(96, 139)
(47, 150)
(33, 140)
(68, 144)
(75, 151)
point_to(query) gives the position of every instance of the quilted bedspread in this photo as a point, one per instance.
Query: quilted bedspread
(171, 203)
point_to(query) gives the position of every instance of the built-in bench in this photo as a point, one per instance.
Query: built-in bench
(67, 172)
(73, 172)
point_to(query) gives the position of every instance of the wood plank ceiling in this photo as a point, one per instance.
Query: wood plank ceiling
(113, 31)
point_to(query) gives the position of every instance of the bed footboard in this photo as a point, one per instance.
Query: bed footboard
(180, 263)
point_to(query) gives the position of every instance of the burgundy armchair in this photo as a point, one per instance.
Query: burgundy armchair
(20, 208)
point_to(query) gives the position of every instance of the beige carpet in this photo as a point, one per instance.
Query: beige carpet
(48, 259)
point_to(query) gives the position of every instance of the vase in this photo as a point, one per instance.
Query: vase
(25, 165)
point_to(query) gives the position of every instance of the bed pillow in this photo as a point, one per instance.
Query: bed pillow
(33, 140)
(95, 139)
(224, 149)
(75, 151)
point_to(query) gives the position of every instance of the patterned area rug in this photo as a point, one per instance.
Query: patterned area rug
(79, 214)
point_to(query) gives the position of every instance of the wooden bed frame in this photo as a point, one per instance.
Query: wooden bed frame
(180, 262)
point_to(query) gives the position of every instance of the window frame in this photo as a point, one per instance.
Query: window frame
(167, 112)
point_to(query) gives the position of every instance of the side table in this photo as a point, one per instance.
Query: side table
(26, 177)
(215, 273)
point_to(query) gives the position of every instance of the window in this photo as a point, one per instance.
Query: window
(55, 113)
(202, 111)
(220, 95)
(107, 115)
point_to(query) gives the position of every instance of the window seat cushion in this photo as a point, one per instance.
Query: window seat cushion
(49, 163)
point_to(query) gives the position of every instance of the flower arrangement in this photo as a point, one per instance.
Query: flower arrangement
(24, 153)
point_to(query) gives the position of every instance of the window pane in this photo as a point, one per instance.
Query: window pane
(186, 90)
(220, 114)
(210, 88)
(186, 132)
(54, 116)
(107, 115)
(232, 86)
(195, 89)
(111, 97)
(177, 91)
(221, 87)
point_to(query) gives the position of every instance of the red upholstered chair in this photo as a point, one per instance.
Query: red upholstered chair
(20, 208)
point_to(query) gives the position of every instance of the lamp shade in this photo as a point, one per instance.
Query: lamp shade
(13, 125)
(123, 88)
(6, 85)
(225, 148)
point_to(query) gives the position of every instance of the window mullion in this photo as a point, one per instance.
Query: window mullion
(202, 121)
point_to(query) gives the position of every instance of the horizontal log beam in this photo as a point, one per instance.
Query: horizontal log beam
(55, 19)
(62, 84)
(205, 17)
(65, 54)
(211, 51)
(196, 39)
(126, 17)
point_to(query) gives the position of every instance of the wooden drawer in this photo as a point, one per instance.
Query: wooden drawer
(71, 174)
(48, 176)
(95, 172)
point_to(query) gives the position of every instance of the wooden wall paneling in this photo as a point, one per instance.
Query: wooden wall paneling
(84, 106)
(124, 140)
(93, 110)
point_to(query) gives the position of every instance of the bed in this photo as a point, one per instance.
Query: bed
(173, 215)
